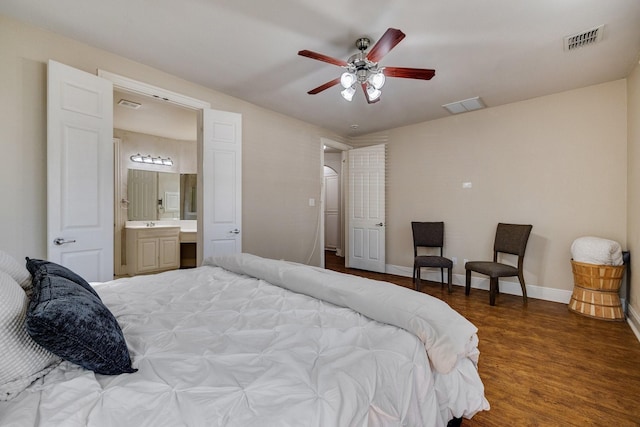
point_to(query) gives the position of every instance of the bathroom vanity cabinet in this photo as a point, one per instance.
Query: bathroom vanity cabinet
(152, 249)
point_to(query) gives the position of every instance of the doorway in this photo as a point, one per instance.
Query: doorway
(333, 203)
(219, 163)
(331, 208)
(149, 127)
(146, 110)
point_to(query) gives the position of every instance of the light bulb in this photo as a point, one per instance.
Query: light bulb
(373, 93)
(348, 93)
(377, 80)
(347, 80)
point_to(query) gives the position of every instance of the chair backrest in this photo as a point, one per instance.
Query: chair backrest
(427, 234)
(511, 239)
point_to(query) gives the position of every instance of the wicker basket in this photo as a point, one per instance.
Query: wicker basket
(596, 290)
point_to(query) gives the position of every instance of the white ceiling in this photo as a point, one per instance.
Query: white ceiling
(501, 50)
(154, 117)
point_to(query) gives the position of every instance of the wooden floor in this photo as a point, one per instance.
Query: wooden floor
(541, 364)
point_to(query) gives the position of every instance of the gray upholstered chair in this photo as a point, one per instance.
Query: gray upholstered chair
(429, 235)
(510, 239)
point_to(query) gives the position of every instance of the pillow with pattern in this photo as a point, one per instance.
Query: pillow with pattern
(71, 321)
(13, 268)
(34, 265)
(23, 360)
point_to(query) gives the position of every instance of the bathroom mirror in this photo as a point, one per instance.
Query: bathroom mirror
(160, 195)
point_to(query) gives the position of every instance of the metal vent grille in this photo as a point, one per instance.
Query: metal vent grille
(584, 38)
(129, 104)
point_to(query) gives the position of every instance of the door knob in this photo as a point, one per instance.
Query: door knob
(381, 224)
(236, 231)
(60, 241)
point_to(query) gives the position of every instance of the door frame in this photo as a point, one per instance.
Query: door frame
(141, 88)
(118, 268)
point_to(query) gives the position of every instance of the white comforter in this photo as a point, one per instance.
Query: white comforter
(216, 348)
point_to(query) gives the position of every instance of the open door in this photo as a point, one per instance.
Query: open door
(367, 239)
(219, 183)
(80, 172)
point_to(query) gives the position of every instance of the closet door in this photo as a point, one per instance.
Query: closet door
(367, 237)
(219, 183)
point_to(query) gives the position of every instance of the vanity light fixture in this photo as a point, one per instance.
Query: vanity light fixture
(151, 160)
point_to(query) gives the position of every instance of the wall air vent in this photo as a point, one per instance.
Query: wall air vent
(129, 104)
(584, 38)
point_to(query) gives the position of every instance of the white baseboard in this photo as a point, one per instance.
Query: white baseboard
(633, 319)
(512, 288)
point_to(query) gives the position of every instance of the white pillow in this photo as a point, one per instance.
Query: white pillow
(22, 360)
(13, 268)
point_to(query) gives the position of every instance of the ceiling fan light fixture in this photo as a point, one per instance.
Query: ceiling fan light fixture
(373, 93)
(362, 69)
(377, 80)
(347, 79)
(348, 93)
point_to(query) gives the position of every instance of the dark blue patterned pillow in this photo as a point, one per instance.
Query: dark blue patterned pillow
(72, 322)
(33, 265)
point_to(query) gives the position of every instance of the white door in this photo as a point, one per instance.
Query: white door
(142, 186)
(80, 172)
(367, 208)
(219, 183)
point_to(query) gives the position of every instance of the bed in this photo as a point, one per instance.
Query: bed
(248, 341)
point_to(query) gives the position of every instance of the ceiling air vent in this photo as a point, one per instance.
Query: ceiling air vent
(129, 104)
(584, 38)
(465, 105)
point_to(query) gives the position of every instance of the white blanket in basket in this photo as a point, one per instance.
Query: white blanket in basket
(596, 250)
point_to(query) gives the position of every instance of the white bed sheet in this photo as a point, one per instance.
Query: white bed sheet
(217, 348)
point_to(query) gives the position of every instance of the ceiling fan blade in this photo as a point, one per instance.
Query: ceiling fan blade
(366, 94)
(325, 86)
(321, 57)
(388, 41)
(409, 73)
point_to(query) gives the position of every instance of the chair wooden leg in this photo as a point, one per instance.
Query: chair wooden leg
(524, 287)
(417, 283)
(467, 283)
(441, 277)
(493, 286)
(449, 277)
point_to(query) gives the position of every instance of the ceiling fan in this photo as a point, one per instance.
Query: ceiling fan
(365, 71)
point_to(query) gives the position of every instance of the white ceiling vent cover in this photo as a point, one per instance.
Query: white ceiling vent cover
(129, 104)
(584, 38)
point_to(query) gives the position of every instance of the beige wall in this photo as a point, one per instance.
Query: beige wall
(281, 156)
(557, 162)
(633, 190)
